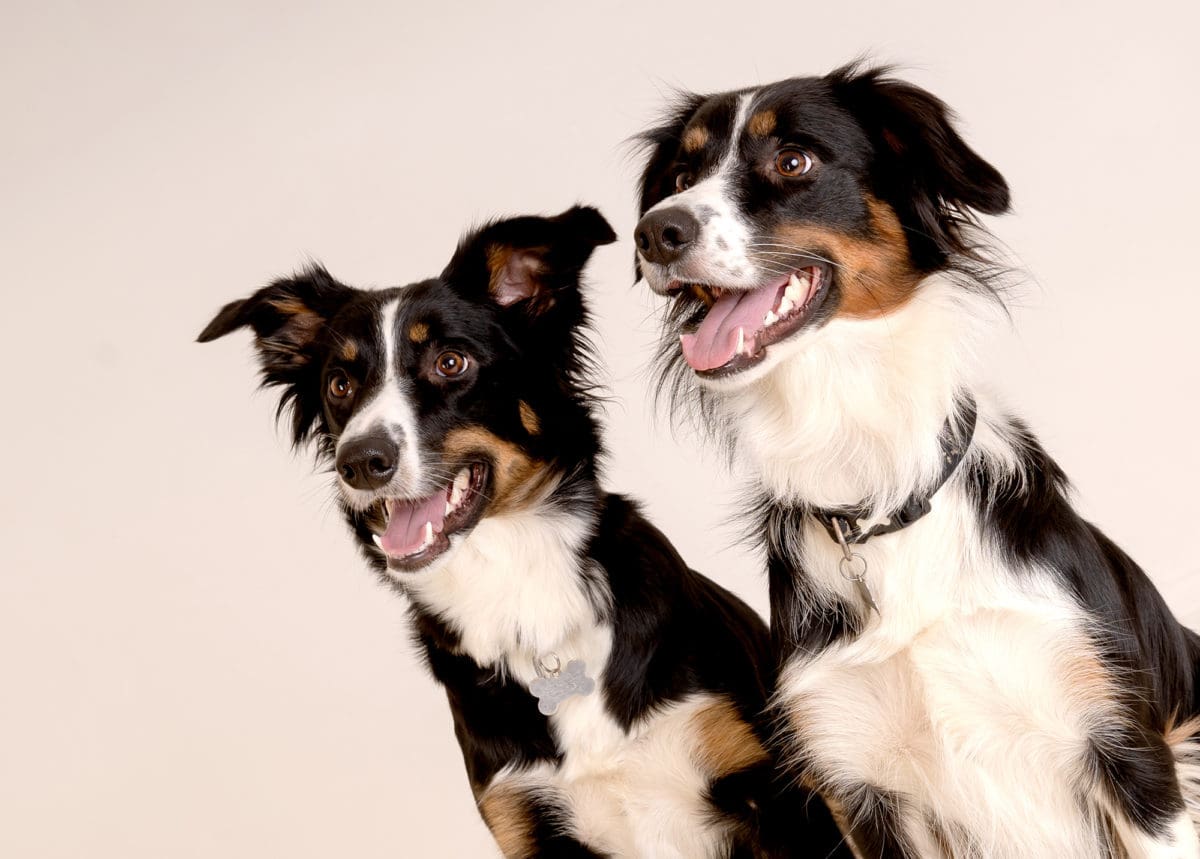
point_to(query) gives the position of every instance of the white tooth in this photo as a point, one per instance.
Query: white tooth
(449, 508)
(378, 540)
(793, 290)
(428, 541)
(770, 318)
(741, 344)
(462, 479)
(785, 305)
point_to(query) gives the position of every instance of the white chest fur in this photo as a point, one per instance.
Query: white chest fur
(972, 695)
(513, 592)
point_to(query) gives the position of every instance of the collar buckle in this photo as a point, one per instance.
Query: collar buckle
(954, 449)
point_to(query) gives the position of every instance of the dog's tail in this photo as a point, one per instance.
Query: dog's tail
(1184, 740)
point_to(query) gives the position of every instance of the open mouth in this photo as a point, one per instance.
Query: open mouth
(739, 325)
(419, 529)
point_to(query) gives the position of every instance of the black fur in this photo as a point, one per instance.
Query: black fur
(674, 632)
(1155, 656)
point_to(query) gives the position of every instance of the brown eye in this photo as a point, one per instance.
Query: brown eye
(793, 162)
(683, 181)
(450, 364)
(340, 386)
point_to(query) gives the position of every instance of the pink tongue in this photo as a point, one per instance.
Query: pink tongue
(406, 529)
(715, 341)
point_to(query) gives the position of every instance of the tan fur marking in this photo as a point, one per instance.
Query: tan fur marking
(497, 259)
(349, 350)
(418, 332)
(1089, 681)
(529, 419)
(701, 294)
(725, 743)
(297, 331)
(506, 814)
(695, 138)
(761, 124)
(290, 306)
(516, 477)
(1175, 734)
(874, 272)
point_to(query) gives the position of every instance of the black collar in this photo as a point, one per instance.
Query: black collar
(954, 448)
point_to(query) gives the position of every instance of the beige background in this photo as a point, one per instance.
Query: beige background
(192, 660)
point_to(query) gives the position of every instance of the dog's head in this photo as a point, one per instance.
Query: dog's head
(444, 401)
(768, 212)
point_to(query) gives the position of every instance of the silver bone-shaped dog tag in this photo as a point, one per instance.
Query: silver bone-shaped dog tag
(553, 686)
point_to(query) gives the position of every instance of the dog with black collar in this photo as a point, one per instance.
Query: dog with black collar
(969, 667)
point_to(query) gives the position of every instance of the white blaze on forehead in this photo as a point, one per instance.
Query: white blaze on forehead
(390, 409)
(722, 254)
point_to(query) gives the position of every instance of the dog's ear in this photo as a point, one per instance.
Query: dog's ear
(924, 168)
(286, 316)
(530, 264)
(288, 319)
(661, 144)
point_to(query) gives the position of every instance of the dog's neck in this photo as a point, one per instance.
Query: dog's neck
(852, 413)
(520, 587)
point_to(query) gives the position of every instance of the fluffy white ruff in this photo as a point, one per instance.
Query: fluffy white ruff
(513, 590)
(850, 413)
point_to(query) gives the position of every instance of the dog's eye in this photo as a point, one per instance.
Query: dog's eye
(683, 181)
(450, 364)
(793, 162)
(340, 386)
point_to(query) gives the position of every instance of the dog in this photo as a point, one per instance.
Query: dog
(606, 698)
(969, 669)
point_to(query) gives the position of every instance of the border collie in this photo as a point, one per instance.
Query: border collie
(606, 698)
(969, 668)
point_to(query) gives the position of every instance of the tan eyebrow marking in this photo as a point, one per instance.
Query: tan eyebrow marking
(695, 138)
(762, 123)
(529, 419)
(418, 332)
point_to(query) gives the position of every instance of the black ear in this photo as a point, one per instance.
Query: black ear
(286, 315)
(924, 168)
(288, 319)
(529, 262)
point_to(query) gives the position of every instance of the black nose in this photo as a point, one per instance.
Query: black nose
(663, 236)
(368, 462)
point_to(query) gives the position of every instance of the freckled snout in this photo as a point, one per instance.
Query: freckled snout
(665, 235)
(368, 462)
